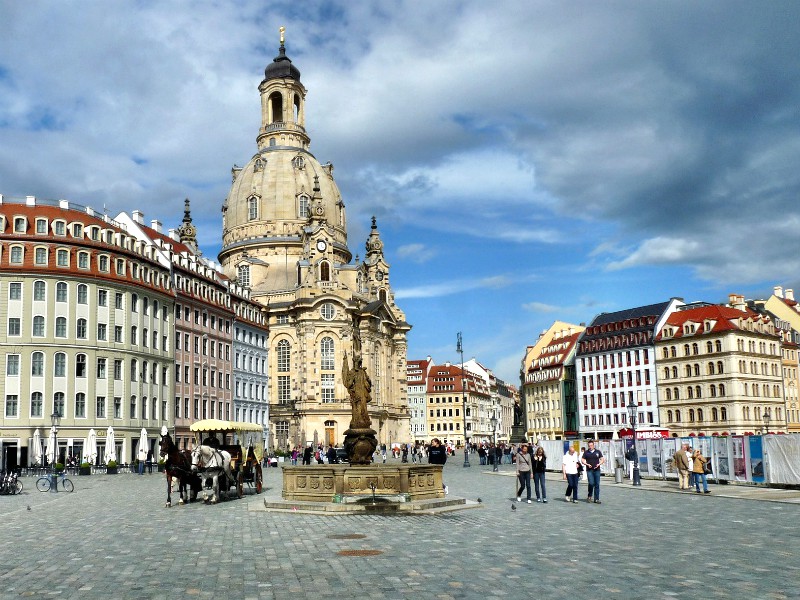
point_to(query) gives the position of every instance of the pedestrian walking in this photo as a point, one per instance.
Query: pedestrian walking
(307, 455)
(524, 468)
(681, 462)
(539, 466)
(699, 470)
(569, 468)
(437, 455)
(592, 459)
(498, 457)
(142, 458)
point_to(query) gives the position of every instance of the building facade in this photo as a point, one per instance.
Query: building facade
(785, 313)
(549, 384)
(285, 238)
(87, 332)
(615, 365)
(719, 371)
(417, 372)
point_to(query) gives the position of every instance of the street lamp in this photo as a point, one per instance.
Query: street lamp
(633, 409)
(493, 421)
(460, 349)
(766, 418)
(55, 420)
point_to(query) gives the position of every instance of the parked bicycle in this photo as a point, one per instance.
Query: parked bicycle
(43, 484)
(9, 483)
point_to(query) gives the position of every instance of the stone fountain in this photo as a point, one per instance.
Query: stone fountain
(362, 485)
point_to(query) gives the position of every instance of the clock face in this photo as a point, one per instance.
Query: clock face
(320, 210)
(321, 245)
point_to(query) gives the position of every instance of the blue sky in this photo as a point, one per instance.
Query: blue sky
(527, 161)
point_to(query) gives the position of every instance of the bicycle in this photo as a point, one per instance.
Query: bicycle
(43, 484)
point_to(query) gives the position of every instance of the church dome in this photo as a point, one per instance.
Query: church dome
(281, 67)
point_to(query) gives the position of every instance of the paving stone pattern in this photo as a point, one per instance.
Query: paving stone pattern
(113, 538)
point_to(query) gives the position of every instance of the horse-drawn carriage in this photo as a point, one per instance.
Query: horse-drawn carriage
(215, 441)
(227, 452)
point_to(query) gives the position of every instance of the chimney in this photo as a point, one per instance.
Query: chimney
(156, 225)
(173, 235)
(789, 294)
(778, 291)
(138, 217)
(736, 301)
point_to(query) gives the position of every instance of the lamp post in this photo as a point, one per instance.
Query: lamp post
(766, 418)
(493, 421)
(55, 420)
(633, 409)
(460, 349)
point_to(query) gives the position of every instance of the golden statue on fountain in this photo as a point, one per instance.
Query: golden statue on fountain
(360, 441)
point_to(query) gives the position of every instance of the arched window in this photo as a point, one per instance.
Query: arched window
(38, 326)
(718, 345)
(698, 392)
(677, 416)
(696, 370)
(244, 275)
(37, 400)
(60, 368)
(326, 352)
(296, 112)
(83, 294)
(690, 392)
(284, 356)
(39, 290)
(710, 368)
(686, 349)
(58, 403)
(666, 372)
(276, 107)
(666, 352)
(714, 414)
(688, 370)
(695, 349)
(669, 395)
(709, 347)
(302, 206)
(700, 414)
(713, 390)
(37, 364)
(61, 292)
(80, 365)
(720, 370)
(669, 416)
(673, 352)
(675, 372)
(676, 394)
(691, 415)
(252, 208)
(324, 271)
(723, 413)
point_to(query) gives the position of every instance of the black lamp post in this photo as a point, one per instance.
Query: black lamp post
(766, 418)
(633, 409)
(460, 349)
(493, 421)
(55, 420)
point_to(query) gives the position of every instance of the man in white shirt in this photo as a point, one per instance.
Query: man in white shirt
(569, 468)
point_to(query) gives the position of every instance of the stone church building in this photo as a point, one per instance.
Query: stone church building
(285, 237)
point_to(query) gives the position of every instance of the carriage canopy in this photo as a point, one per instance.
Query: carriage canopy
(233, 432)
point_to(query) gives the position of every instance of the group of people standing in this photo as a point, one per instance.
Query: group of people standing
(533, 464)
(692, 469)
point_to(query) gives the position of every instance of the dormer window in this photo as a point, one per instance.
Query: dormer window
(41, 226)
(60, 228)
(94, 233)
(298, 162)
(77, 230)
(20, 225)
(252, 208)
(83, 260)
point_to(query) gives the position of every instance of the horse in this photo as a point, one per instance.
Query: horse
(178, 465)
(210, 462)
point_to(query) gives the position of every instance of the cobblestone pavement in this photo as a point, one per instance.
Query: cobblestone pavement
(113, 538)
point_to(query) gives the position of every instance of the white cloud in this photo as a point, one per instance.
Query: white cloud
(659, 251)
(418, 253)
(448, 288)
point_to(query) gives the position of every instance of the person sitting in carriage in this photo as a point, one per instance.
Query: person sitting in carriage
(211, 441)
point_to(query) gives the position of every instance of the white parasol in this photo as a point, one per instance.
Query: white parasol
(36, 450)
(111, 449)
(144, 445)
(91, 447)
(50, 453)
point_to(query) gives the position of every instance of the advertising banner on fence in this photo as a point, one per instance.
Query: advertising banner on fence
(739, 466)
(756, 459)
(721, 447)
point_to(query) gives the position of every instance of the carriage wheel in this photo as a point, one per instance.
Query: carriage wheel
(258, 479)
(240, 484)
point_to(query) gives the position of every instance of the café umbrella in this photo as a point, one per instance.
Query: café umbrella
(111, 449)
(50, 452)
(143, 443)
(91, 447)
(37, 447)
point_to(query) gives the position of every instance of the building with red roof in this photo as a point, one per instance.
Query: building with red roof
(719, 371)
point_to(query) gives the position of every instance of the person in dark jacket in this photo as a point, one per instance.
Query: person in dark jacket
(498, 456)
(437, 455)
(539, 469)
(307, 455)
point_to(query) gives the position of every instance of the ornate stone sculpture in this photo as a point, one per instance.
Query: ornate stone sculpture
(360, 441)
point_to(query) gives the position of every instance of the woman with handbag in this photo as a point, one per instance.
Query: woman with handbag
(699, 471)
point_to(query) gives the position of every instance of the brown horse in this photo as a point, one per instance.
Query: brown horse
(178, 465)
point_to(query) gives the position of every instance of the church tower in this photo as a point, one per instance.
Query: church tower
(285, 237)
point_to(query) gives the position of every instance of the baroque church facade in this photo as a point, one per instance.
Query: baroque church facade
(285, 238)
